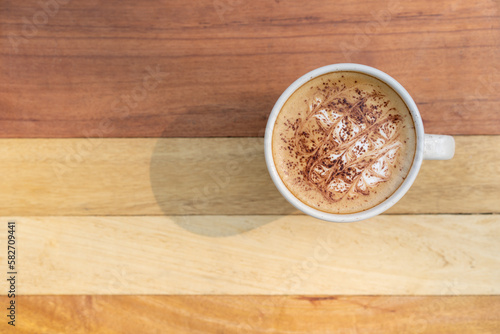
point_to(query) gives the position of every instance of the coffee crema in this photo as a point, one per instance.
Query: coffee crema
(343, 142)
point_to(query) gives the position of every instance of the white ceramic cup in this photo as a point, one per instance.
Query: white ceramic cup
(429, 147)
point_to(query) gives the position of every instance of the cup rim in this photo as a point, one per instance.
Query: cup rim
(397, 194)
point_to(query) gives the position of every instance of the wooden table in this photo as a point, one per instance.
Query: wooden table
(132, 163)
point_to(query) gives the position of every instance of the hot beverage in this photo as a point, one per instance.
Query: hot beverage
(343, 142)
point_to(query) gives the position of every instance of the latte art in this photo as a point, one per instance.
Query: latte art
(341, 142)
(346, 144)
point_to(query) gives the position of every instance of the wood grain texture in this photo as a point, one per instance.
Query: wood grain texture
(83, 70)
(274, 255)
(175, 176)
(257, 314)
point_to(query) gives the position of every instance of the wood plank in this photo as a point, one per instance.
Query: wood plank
(223, 64)
(219, 176)
(276, 255)
(257, 314)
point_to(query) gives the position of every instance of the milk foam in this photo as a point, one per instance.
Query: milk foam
(338, 141)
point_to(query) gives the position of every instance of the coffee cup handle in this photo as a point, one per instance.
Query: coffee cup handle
(438, 147)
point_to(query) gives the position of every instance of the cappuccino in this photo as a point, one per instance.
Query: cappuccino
(343, 142)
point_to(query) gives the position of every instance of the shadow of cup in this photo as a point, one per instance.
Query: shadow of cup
(214, 176)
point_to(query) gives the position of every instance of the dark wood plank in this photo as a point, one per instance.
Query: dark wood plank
(225, 62)
(256, 314)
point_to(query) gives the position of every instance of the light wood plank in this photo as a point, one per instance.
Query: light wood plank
(226, 62)
(257, 314)
(282, 255)
(206, 176)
